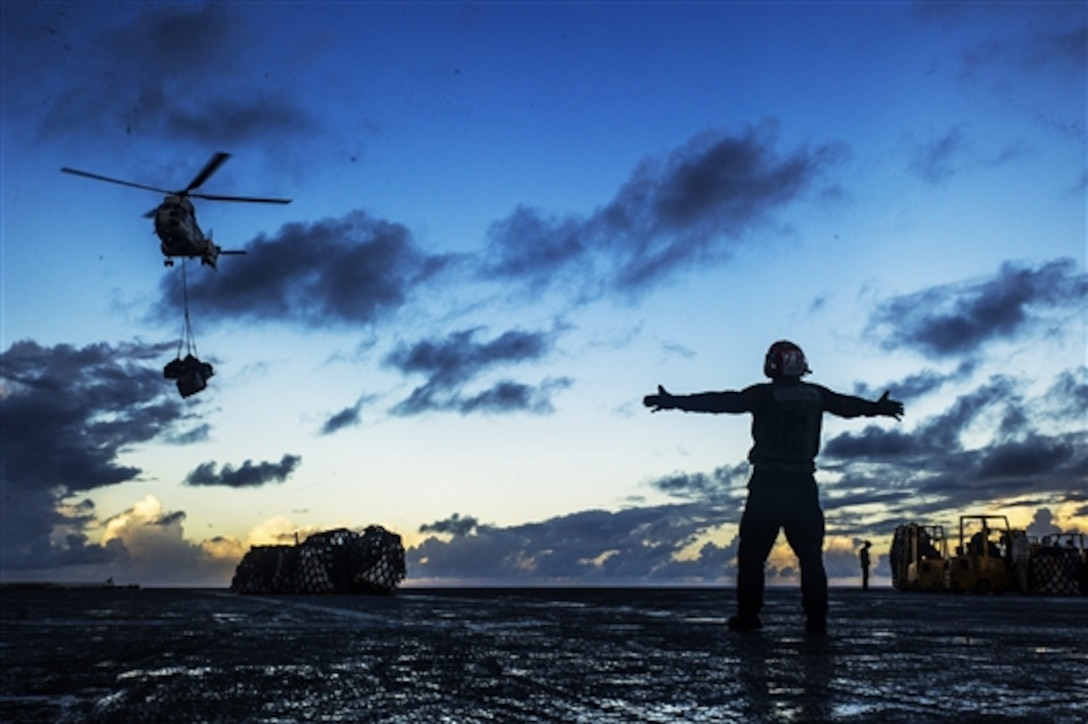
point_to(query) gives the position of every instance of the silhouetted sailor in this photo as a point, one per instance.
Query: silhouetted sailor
(786, 419)
(863, 556)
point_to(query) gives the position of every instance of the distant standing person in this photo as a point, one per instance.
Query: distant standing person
(786, 419)
(863, 554)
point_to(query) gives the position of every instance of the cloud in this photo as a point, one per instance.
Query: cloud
(450, 364)
(636, 545)
(934, 160)
(1015, 37)
(692, 207)
(248, 475)
(918, 384)
(347, 271)
(1069, 394)
(454, 525)
(958, 319)
(350, 416)
(995, 441)
(68, 414)
(182, 73)
(1043, 524)
(69, 411)
(938, 158)
(156, 552)
(680, 544)
(989, 442)
(724, 484)
(1055, 46)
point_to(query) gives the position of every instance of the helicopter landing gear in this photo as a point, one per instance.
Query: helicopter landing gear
(168, 262)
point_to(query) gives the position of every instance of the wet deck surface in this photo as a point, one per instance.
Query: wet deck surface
(643, 655)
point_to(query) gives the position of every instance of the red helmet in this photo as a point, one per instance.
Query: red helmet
(785, 359)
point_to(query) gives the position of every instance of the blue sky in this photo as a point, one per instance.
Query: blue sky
(509, 223)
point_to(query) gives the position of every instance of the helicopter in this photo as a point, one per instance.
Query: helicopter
(175, 217)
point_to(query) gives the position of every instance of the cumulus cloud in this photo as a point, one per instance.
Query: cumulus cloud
(142, 544)
(157, 553)
(453, 362)
(1042, 524)
(354, 270)
(68, 414)
(247, 475)
(958, 319)
(692, 207)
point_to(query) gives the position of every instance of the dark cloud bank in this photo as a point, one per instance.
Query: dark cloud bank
(593, 546)
(67, 415)
(354, 270)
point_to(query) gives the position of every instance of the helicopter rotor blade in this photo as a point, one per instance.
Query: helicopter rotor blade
(247, 199)
(217, 160)
(97, 177)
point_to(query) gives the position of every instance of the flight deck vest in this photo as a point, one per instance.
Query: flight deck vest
(786, 427)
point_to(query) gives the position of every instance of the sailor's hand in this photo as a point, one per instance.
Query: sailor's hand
(888, 407)
(661, 401)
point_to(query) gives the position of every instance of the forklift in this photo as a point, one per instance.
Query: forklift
(919, 556)
(988, 558)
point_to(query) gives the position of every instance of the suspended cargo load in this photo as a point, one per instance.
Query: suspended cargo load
(191, 374)
(336, 561)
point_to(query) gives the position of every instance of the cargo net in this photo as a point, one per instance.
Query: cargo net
(335, 561)
(1058, 572)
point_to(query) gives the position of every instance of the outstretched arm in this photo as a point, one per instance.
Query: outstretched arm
(850, 406)
(727, 401)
